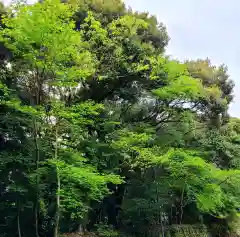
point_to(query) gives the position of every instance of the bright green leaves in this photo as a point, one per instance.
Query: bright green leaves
(179, 85)
(107, 44)
(184, 88)
(94, 31)
(43, 36)
(142, 120)
(217, 83)
(127, 26)
(81, 183)
(212, 189)
(79, 114)
(210, 198)
(56, 57)
(128, 139)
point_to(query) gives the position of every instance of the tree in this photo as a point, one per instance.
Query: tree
(54, 59)
(102, 132)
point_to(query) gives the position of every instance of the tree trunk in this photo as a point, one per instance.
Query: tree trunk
(36, 102)
(36, 217)
(162, 227)
(57, 214)
(37, 177)
(181, 206)
(80, 229)
(159, 218)
(18, 222)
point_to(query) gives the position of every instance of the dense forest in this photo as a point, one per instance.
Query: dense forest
(103, 134)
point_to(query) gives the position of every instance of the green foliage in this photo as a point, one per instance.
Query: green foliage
(204, 183)
(101, 131)
(55, 47)
(106, 231)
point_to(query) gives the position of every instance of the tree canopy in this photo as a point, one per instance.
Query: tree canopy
(101, 132)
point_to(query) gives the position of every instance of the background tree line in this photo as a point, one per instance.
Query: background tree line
(102, 132)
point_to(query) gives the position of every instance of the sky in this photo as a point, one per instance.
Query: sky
(200, 29)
